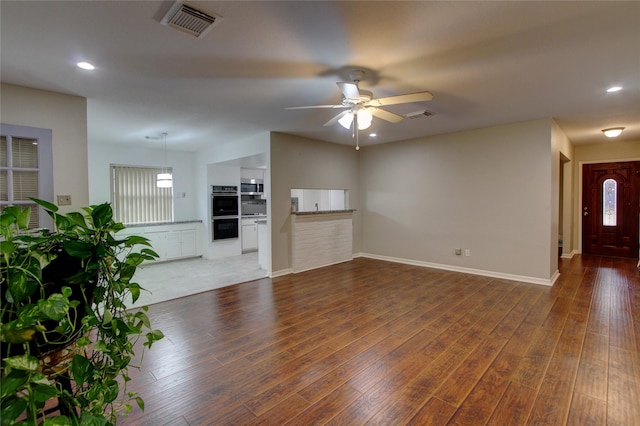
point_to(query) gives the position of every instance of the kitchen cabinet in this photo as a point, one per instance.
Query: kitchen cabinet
(249, 235)
(188, 243)
(263, 249)
(170, 241)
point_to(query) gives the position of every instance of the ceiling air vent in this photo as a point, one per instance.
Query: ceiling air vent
(189, 20)
(418, 114)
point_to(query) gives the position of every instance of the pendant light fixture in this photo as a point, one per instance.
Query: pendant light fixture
(164, 179)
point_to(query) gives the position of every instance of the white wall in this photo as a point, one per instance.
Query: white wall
(486, 190)
(185, 188)
(66, 116)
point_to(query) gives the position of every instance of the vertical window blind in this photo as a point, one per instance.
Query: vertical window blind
(136, 198)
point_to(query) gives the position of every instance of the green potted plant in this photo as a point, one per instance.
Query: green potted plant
(66, 334)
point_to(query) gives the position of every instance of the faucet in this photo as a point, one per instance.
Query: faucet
(316, 206)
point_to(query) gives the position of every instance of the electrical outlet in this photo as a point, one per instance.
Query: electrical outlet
(64, 200)
(458, 251)
(467, 252)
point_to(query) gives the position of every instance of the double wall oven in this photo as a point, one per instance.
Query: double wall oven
(224, 212)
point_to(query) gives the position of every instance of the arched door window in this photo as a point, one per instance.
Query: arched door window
(609, 202)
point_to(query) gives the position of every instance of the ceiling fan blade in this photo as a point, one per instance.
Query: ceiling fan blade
(385, 115)
(316, 106)
(401, 99)
(335, 119)
(349, 90)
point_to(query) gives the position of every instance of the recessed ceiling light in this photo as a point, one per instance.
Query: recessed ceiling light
(613, 89)
(85, 66)
(372, 135)
(613, 132)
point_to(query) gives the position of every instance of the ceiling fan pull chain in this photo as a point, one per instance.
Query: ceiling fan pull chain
(355, 130)
(354, 125)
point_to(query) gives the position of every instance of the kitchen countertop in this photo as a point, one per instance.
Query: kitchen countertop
(177, 222)
(323, 212)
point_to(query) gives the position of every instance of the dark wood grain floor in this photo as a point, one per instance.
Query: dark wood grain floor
(373, 342)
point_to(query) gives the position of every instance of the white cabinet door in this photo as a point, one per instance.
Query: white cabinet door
(173, 245)
(189, 243)
(249, 236)
(158, 243)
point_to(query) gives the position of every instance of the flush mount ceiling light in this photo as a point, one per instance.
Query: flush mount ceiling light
(613, 89)
(85, 66)
(613, 132)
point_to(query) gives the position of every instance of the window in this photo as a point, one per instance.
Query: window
(136, 198)
(609, 204)
(26, 170)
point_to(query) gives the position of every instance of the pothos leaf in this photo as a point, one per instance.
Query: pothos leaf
(57, 421)
(81, 369)
(22, 362)
(55, 307)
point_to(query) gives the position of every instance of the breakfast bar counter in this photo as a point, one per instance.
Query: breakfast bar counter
(321, 238)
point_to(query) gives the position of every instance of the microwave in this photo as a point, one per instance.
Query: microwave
(251, 186)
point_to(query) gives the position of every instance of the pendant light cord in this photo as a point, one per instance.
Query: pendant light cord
(164, 152)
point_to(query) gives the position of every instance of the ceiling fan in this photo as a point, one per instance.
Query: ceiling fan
(360, 106)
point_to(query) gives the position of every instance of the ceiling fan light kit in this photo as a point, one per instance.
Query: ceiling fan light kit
(364, 119)
(361, 107)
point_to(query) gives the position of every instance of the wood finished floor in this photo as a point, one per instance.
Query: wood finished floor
(373, 342)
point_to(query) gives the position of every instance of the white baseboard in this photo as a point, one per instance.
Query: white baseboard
(281, 273)
(492, 274)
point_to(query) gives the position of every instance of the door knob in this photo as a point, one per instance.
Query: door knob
(585, 214)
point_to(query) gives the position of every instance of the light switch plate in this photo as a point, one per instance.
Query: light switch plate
(64, 200)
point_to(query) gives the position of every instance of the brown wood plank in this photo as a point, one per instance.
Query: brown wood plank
(587, 411)
(349, 369)
(624, 387)
(514, 406)
(376, 342)
(434, 412)
(593, 372)
(326, 408)
(281, 413)
(554, 397)
(478, 407)
(456, 388)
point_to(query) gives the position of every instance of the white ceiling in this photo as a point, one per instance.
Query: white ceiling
(486, 63)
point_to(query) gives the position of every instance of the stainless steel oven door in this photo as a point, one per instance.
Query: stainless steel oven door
(225, 228)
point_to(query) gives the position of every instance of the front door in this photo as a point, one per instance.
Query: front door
(611, 208)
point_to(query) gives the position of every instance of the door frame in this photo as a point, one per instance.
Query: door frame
(578, 208)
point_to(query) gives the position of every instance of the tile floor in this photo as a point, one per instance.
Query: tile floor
(171, 280)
